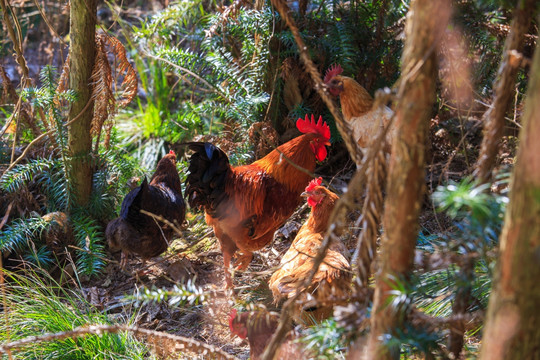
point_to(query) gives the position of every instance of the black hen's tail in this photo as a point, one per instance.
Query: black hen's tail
(133, 203)
(208, 170)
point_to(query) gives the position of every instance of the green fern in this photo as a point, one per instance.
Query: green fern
(326, 340)
(21, 232)
(21, 175)
(89, 238)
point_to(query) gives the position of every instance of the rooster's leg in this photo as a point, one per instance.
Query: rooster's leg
(242, 261)
(226, 266)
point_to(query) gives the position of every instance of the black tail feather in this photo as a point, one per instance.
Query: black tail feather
(131, 205)
(208, 169)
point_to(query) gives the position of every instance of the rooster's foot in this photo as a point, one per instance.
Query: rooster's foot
(242, 261)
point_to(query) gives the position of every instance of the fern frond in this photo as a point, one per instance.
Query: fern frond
(14, 179)
(40, 256)
(105, 101)
(129, 83)
(19, 233)
(89, 238)
(63, 81)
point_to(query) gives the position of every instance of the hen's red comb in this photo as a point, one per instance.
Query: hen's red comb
(331, 72)
(305, 126)
(313, 183)
(232, 315)
(172, 153)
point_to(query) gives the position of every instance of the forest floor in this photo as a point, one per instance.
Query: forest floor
(202, 262)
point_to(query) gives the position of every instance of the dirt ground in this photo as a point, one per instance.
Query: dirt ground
(202, 262)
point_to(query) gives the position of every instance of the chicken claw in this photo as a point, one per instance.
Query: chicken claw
(242, 261)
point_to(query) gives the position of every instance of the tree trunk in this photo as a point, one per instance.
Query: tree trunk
(82, 31)
(513, 321)
(504, 88)
(426, 20)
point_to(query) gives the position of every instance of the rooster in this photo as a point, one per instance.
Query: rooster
(245, 205)
(136, 233)
(332, 279)
(356, 106)
(258, 327)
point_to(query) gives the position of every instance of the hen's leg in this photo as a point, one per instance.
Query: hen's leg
(243, 260)
(226, 267)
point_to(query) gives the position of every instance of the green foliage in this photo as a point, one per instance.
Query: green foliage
(179, 295)
(478, 217)
(20, 234)
(414, 341)
(480, 21)
(38, 305)
(326, 340)
(478, 214)
(114, 168)
(228, 67)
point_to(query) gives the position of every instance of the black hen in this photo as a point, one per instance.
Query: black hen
(140, 234)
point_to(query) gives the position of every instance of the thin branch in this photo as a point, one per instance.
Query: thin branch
(181, 343)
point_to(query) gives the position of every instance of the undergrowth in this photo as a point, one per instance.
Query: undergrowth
(38, 305)
(47, 178)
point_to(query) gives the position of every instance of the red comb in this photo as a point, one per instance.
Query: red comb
(305, 126)
(313, 183)
(172, 153)
(331, 72)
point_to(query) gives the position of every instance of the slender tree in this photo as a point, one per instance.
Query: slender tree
(503, 89)
(406, 184)
(82, 32)
(513, 321)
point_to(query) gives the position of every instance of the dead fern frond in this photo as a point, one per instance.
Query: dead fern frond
(123, 67)
(102, 92)
(104, 83)
(63, 81)
(104, 79)
(228, 13)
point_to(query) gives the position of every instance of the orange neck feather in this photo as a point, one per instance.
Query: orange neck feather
(298, 151)
(355, 100)
(320, 213)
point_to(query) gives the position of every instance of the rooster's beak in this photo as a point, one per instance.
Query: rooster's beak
(305, 194)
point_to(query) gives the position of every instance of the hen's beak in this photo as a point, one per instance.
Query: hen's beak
(305, 194)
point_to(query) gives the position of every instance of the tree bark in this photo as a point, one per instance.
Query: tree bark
(426, 20)
(513, 322)
(82, 31)
(504, 88)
